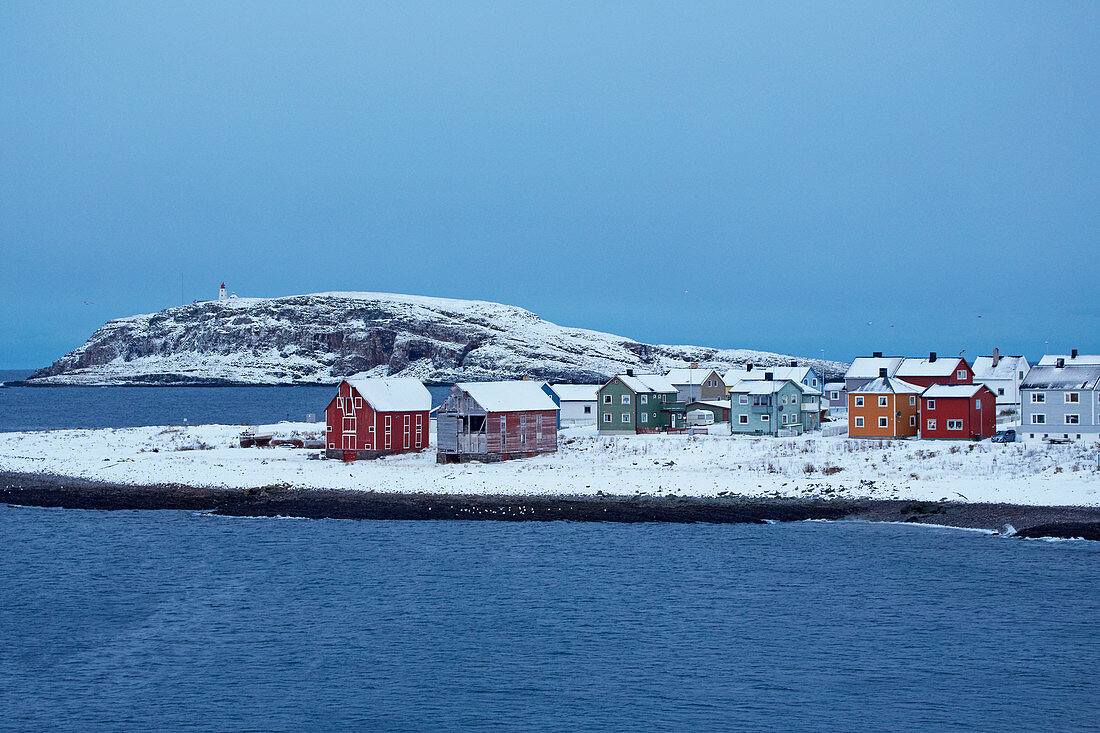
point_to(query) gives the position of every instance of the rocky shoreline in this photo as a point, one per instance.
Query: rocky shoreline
(65, 492)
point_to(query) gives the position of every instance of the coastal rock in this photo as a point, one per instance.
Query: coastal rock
(322, 337)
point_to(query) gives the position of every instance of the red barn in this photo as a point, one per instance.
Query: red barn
(495, 421)
(933, 370)
(371, 417)
(959, 411)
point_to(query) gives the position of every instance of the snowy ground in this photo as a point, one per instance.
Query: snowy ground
(715, 464)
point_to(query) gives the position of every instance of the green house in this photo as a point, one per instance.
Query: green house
(774, 407)
(637, 403)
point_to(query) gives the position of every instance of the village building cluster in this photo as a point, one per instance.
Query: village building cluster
(880, 396)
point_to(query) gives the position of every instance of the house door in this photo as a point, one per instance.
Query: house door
(349, 441)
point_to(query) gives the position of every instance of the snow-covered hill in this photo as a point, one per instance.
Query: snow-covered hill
(322, 337)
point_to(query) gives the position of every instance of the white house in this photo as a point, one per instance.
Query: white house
(577, 403)
(1003, 375)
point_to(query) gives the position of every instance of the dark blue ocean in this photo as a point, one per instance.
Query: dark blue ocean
(54, 408)
(180, 621)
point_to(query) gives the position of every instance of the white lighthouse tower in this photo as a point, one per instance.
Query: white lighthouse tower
(222, 294)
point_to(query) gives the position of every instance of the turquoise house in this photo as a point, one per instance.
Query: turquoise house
(771, 406)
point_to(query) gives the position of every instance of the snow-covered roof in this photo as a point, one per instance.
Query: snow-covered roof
(948, 391)
(646, 382)
(1006, 367)
(512, 396)
(889, 385)
(576, 392)
(711, 403)
(762, 386)
(866, 367)
(796, 373)
(1068, 377)
(392, 394)
(915, 367)
(830, 386)
(689, 376)
(1081, 360)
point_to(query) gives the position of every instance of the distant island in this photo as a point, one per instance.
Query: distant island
(319, 338)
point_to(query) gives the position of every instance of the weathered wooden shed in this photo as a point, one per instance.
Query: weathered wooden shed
(374, 416)
(495, 421)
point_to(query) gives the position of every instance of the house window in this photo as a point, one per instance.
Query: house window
(588, 409)
(912, 399)
(743, 399)
(358, 403)
(332, 446)
(743, 419)
(814, 382)
(883, 422)
(960, 374)
(859, 422)
(1000, 391)
(523, 430)
(389, 421)
(1072, 397)
(625, 417)
(419, 430)
(765, 417)
(954, 424)
(644, 399)
(1073, 419)
(930, 405)
(607, 417)
(1039, 419)
(859, 402)
(645, 417)
(1038, 397)
(931, 425)
(977, 404)
(607, 399)
(835, 396)
(882, 402)
(912, 421)
(626, 399)
(328, 428)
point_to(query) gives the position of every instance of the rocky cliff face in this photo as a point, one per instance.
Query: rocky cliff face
(322, 337)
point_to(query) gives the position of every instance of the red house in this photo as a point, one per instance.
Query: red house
(371, 417)
(933, 370)
(495, 421)
(959, 411)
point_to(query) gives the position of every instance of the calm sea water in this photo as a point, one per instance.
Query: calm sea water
(53, 408)
(172, 620)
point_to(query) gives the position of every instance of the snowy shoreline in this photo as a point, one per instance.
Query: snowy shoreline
(717, 465)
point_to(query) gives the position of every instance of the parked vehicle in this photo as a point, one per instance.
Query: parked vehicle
(1004, 436)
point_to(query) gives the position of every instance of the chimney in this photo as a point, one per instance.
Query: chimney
(767, 376)
(748, 367)
(526, 378)
(931, 356)
(996, 356)
(882, 372)
(877, 355)
(630, 372)
(794, 363)
(1073, 354)
(1060, 363)
(694, 365)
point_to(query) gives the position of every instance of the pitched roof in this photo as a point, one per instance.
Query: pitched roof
(888, 385)
(710, 403)
(392, 394)
(949, 391)
(762, 386)
(576, 392)
(646, 382)
(1081, 360)
(794, 373)
(866, 367)
(1006, 367)
(1068, 377)
(941, 367)
(513, 396)
(689, 376)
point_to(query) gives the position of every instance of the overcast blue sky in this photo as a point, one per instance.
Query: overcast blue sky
(840, 176)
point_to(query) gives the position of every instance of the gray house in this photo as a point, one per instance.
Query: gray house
(1060, 398)
(866, 368)
(696, 384)
(836, 396)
